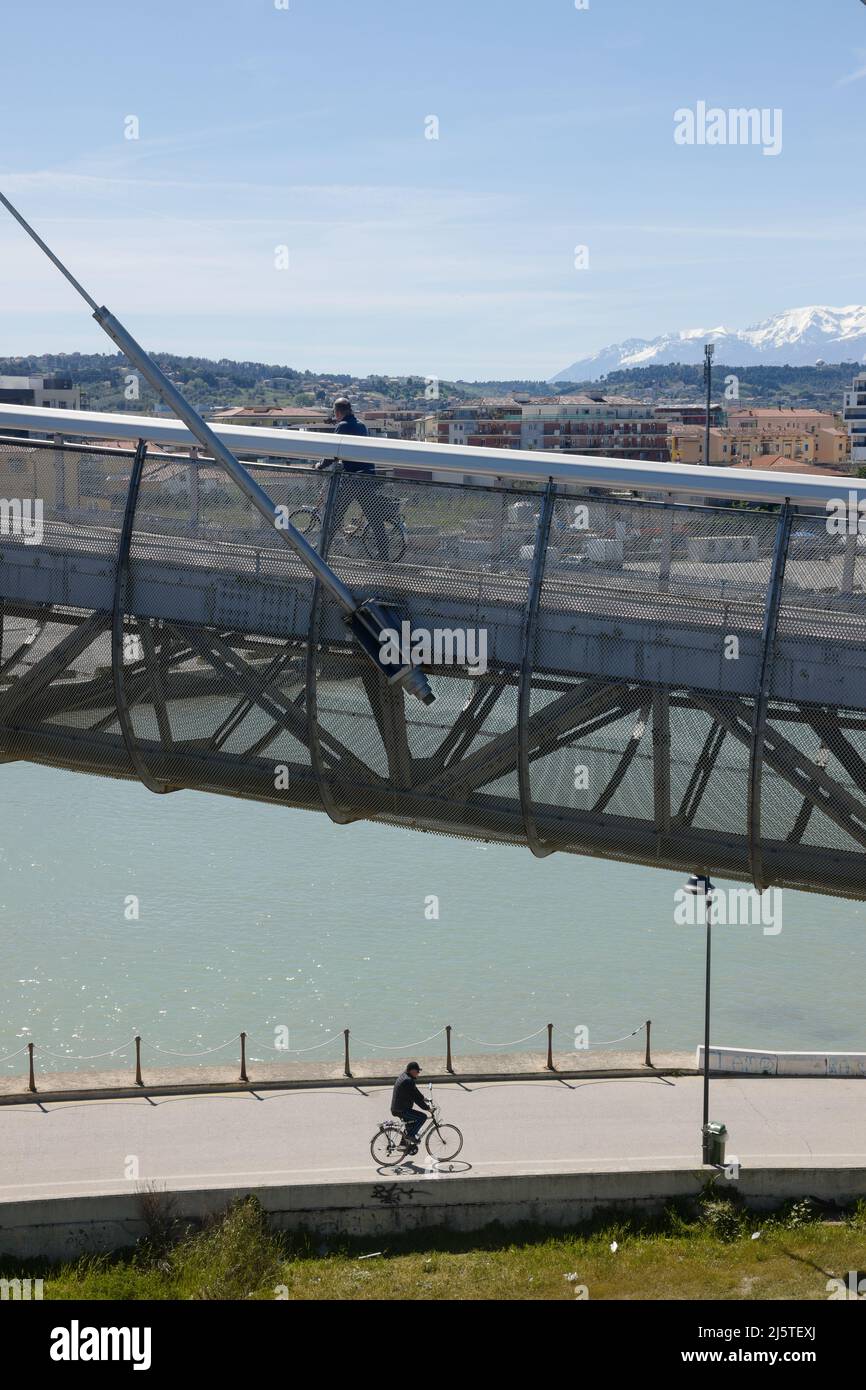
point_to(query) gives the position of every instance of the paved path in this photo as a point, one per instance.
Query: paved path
(277, 1137)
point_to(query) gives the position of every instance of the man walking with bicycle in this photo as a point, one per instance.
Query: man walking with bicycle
(362, 492)
(404, 1096)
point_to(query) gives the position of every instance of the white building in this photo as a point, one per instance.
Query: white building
(595, 423)
(854, 415)
(53, 392)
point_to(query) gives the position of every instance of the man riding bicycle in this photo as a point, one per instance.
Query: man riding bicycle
(362, 492)
(404, 1096)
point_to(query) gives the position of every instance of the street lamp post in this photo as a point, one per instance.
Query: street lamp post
(709, 349)
(699, 886)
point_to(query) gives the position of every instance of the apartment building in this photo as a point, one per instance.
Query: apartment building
(803, 436)
(854, 416)
(489, 423)
(50, 392)
(615, 426)
(29, 473)
(595, 423)
(689, 413)
(392, 424)
(686, 444)
(761, 428)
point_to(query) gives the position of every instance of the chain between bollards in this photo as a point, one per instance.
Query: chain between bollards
(347, 1069)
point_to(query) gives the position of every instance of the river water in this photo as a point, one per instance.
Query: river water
(189, 917)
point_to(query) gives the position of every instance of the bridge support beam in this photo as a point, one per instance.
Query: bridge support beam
(314, 741)
(121, 576)
(524, 690)
(762, 696)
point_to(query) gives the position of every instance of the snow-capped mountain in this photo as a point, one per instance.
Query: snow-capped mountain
(796, 338)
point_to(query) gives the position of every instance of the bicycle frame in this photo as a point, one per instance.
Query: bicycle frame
(431, 1123)
(356, 530)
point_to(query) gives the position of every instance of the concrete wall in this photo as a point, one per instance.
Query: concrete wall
(756, 1063)
(65, 1227)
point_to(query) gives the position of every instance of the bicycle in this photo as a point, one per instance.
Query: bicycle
(358, 536)
(442, 1142)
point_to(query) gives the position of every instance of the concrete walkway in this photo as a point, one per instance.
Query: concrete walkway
(72, 1148)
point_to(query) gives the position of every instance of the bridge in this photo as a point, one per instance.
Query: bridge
(650, 663)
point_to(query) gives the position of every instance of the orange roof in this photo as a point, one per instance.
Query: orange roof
(777, 463)
(774, 411)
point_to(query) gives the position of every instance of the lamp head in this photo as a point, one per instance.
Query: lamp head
(700, 886)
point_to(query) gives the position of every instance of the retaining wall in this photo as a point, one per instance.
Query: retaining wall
(64, 1227)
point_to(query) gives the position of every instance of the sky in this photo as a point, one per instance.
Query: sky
(282, 199)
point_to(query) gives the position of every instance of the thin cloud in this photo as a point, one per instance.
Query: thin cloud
(857, 74)
(849, 230)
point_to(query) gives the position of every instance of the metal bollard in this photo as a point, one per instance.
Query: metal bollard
(448, 1065)
(346, 1070)
(32, 1082)
(138, 1080)
(243, 1075)
(550, 1066)
(648, 1059)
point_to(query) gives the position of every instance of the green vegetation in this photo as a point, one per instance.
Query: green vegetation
(707, 1252)
(813, 388)
(218, 385)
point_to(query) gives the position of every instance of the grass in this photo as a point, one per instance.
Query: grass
(708, 1253)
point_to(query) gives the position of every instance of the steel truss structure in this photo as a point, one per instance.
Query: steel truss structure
(672, 683)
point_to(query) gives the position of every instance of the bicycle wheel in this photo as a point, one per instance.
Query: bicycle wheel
(305, 520)
(444, 1142)
(395, 540)
(385, 1145)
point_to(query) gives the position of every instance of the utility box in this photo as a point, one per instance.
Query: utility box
(603, 550)
(722, 549)
(715, 1137)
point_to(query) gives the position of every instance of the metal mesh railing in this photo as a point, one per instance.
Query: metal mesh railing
(667, 683)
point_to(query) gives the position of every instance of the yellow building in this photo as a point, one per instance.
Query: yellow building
(51, 475)
(686, 444)
(803, 436)
(810, 436)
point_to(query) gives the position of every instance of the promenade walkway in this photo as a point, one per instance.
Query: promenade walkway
(322, 1135)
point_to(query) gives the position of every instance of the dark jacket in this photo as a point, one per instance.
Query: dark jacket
(350, 425)
(405, 1095)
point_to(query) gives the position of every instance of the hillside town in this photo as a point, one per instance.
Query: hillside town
(590, 422)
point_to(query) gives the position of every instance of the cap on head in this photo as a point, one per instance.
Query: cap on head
(412, 1066)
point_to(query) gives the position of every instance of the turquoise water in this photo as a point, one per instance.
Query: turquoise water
(256, 918)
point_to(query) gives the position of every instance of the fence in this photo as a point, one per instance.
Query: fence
(405, 1048)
